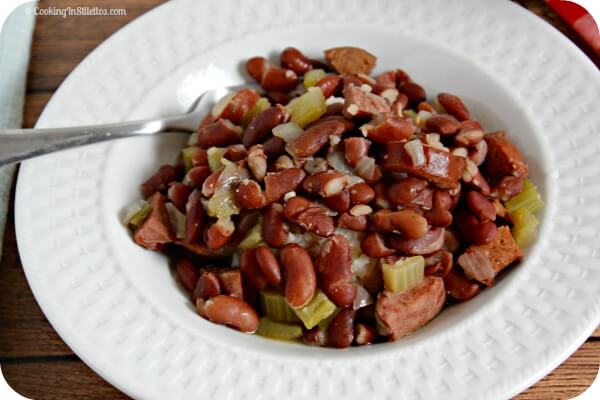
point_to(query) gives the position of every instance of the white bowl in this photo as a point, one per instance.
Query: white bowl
(118, 305)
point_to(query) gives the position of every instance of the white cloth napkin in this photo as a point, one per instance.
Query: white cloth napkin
(15, 43)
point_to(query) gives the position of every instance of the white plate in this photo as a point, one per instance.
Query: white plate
(117, 305)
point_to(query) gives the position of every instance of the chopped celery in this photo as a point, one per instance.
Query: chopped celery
(308, 107)
(529, 198)
(278, 330)
(316, 310)
(261, 105)
(403, 274)
(410, 114)
(186, 155)
(215, 154)
(276, 308)
(421, 119)
(222, 204)
(253, 238)
(312, 77)
(138, 217)
(527, 184)
(525, 225)
(325, 322)
(177, 220)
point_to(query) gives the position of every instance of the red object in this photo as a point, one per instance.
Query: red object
(579, 20)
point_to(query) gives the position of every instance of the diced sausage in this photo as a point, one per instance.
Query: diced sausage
(399, 314)
(483, 262)
(503, 157)
(156, 229)
(440, 168)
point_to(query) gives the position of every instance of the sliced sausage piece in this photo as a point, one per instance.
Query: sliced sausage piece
(440, 168)
(503, 157)
(399, 314)
(156, 229)
(483, 262)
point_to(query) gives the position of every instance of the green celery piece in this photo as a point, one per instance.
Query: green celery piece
(278, 330)
(276, 308)
(186, 155)
(403, 274)
(139, 217)
(222, 204)
(316, 310)
(253, 238)
(529, 198)
(307, 108)
(525, 225)
(313, 76)
(261, 105)
(214, 155)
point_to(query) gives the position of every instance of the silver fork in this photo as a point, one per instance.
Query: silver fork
(20, 144)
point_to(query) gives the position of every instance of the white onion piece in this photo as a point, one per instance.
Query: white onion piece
(414, 148)
(362, 299)
(353, 180)
(193, 139)
(433, 140)
(232, 175)
(423, 115)
(288, 132)
(314, 165)
(477, 266)
(365, 167)
(334, 100)
(177, 220)
(221, 104)
(337, 160)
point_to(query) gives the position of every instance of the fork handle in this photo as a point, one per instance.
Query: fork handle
(20, 144)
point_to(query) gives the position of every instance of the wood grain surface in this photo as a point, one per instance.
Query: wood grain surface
(34, 360)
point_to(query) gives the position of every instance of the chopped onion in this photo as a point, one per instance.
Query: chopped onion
(337, 160)
(362, 299)
(232, 175)
(288, 132)
(177, 219)
(414, 148)
(353, 180)
(334, 100)
(433, 140)
(477, 265)
(314, 165)
(460, 152)
(222, 103)
(422, 117)
(365, 167)
(193, 139)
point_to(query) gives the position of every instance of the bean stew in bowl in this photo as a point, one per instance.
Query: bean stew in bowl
(335, 207)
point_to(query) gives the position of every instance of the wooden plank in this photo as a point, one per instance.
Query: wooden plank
(34, 105)
(60, 380)
(59, 44)
(24, 330)
(570, 379)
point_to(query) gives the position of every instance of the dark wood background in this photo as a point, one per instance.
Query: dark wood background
(34, 360)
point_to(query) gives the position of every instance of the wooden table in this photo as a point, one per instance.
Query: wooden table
(35, 361)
